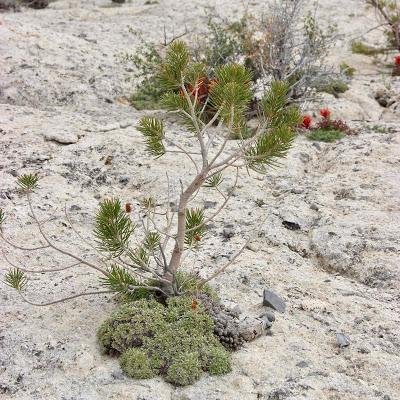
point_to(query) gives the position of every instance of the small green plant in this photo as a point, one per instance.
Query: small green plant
(327, 129)
(379, 129)
(333, 87)
(347, 70)
(225, 41)
(175, 341)
(136, 364)
(325, 135)
(145, 60)
(358, 47)
(146, 96)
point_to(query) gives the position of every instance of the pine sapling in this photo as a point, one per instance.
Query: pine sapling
(137, 252)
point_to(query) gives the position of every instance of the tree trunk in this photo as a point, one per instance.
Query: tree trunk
(176, 257)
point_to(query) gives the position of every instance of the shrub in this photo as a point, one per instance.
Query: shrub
(184, 370)
(146, 61)
(388, 15)
(217, 361)
(136, 364)
(270, 45)
(333, 87)
(146, 97)
(273, 47)
(224, 41)
(176, 340)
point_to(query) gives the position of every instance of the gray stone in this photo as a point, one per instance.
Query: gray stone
(268, 315)
(266, 323)
(270, 299)
(62, 137)
(229, 231)
(297, 190)
(124, 180)
(342, 340)
(302, 364)
(364, 350)
(110, 127)
(237, 310)
(384, 98)
(125, 124)
(210, 204)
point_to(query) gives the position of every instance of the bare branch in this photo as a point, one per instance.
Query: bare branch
(38, 271)
(220, 208)
(62, 251)
(64, 299)
(23, 248)
(227, 265)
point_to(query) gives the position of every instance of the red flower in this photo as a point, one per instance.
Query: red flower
(197, 238)
(201, 89)
(325, 113)
(397, 60)
(306, 122)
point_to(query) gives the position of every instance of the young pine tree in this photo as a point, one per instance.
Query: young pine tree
(212, 111)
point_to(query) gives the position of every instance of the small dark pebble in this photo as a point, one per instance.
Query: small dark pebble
(293, 226)
(124, 180)
(302, 364)
(342, 340)
(210, 204)
(270, 299)
(229, 231)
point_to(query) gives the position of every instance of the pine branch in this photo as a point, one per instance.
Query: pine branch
(28, 182)
(194, 227)
(16, 279)
(118, 279)
(269, 148)
(153, 131)
(173, 69)
(231, 94)
(113, 228)
(214, 181)
(152, 241)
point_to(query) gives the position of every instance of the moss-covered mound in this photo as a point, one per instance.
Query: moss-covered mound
(176, 341)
